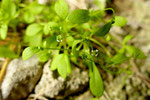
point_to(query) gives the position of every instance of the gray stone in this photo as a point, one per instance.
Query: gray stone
(50, 86)
(20, 79)
(85, 96)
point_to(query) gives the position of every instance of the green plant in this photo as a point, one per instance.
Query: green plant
(79, 36)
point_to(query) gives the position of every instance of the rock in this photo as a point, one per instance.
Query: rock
(48, 85)
(20, 79)
(52, 85)
(43, 1)
(85, 96)
(76, 81)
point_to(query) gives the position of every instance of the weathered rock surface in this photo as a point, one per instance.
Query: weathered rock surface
(85, 96)
(52, 85)
(20, 78)
(48, 85)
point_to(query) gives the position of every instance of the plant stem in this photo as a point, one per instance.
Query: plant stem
(97, 42)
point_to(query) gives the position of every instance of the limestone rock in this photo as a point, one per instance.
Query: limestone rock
(53, 87)
(20, 79)
(85, 96)
(48, 85)
(76, 81)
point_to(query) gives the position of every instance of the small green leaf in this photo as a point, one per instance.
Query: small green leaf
(35, 40)
(120, 21)
(96, 82)
(29, 52)
(108, 38)
(119, 58)
(134, 52)
(97, 14)
(50, 42)
(5, 52)
(44, 55)
(55, 60)
(102, 31)
(61, 8)
(9, 7)
(3, 31)
(70, 40)
(33, 29)
(79, 16)
(62, 64)
(49, 27)
(35, 8)
(127, 38)
(29, 17)
(62, 68)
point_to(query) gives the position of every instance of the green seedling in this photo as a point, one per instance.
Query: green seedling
(66, 37)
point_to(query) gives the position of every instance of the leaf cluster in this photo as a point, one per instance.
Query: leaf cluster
(78, 36)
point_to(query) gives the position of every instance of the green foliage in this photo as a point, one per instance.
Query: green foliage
(9, 7)
(7, 13)
(79, 16)
(61, 8)
(102, 31)
(120, 21)
(119, 58)
(94, 99)
(29, 52)
(33, 29)
(134, 52)
(29, 17)
(50, 42)
(127, 38)
(3, 31)
(81, 37)
(96, 83)
(31, 11)
(62, 64)
(50, 27)
(5, 52)
(44, 55)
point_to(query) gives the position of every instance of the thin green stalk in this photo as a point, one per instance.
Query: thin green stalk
(97, 42)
